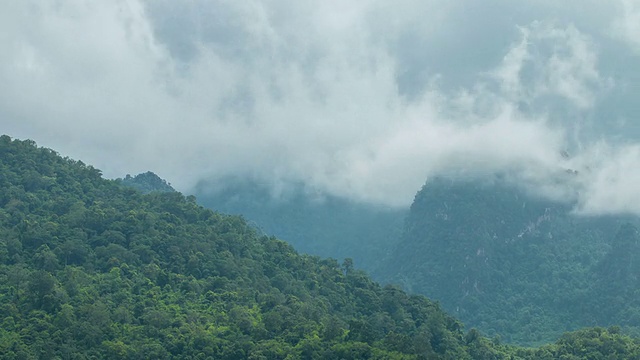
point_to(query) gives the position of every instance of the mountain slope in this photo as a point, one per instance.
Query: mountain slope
(515, 265)
(94, 270)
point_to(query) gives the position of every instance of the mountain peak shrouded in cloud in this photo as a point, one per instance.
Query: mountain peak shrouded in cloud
(363, 100)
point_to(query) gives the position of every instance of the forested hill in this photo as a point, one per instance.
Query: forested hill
(515, 265)
(90, 269)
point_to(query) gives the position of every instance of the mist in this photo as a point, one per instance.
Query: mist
(363, 100)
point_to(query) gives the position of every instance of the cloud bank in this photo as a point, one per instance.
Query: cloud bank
(363, 100)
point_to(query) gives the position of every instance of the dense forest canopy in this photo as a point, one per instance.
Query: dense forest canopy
(91, 269)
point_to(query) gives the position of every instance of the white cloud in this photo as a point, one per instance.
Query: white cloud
(552, 61)
(627, 25)
(610, 181)
(287, 91)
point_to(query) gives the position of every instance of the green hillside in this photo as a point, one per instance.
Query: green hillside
(515, 265)
(91, 269)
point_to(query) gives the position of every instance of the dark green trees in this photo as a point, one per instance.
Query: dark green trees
(91, 269)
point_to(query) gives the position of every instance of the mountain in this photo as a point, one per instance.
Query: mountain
(315, 224)
(516, 265)
(94, 270)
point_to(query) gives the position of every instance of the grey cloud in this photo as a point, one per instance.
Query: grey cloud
(609, 184)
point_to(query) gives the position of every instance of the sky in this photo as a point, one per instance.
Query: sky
(362, 99)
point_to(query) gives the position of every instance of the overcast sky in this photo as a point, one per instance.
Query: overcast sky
(361, 99)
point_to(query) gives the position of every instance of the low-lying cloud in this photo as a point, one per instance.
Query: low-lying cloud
(353, 99)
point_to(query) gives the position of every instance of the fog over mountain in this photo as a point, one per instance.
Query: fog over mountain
(358, 99)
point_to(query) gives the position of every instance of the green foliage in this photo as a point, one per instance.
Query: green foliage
(92, 269)
(593, 343)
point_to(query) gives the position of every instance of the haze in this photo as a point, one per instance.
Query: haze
(359, 99)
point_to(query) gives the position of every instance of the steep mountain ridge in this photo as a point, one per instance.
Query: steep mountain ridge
(510, 263)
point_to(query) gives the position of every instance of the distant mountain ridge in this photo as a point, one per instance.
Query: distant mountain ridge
(513, 264)
(315, 224)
